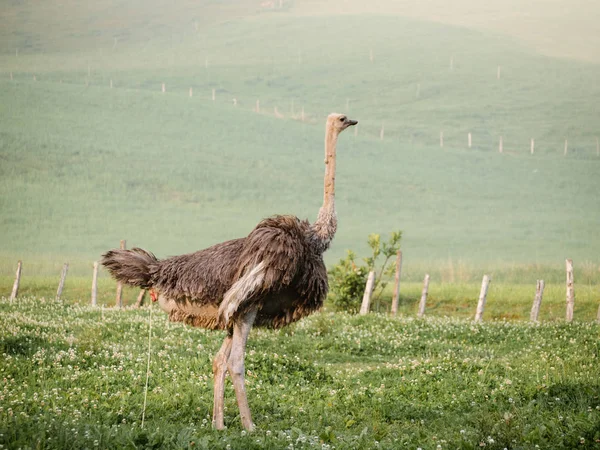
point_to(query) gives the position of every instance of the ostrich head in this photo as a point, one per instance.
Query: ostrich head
(339, 122)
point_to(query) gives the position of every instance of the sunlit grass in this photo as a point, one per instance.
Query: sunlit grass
(73, 377)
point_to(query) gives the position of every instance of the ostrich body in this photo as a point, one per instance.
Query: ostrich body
(272, 277)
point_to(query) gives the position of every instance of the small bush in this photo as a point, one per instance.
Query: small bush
(347, 279)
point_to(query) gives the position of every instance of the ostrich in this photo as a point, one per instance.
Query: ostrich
(272, 277)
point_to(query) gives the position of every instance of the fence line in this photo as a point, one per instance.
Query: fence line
(366, 301)
(304, 116)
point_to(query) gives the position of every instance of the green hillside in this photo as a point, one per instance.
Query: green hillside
(84, 165)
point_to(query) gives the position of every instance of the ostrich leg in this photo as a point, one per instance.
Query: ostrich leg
(220, 371)
(241, 330)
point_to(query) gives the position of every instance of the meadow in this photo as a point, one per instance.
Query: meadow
(73, 377)
(85, 165)
(93, 151)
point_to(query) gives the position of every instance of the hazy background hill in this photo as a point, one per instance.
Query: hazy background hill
(83, 165)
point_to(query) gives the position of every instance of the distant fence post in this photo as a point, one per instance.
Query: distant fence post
(381, 133)
(95, 284)
(396, 297)
(423, 296)
(469, 140)
(140, 298)
(366, 301)
(119, 297)
(570, 290)
(566, 147)
(164, 88)
(15, 289)
(532, 146)
(485, 284)
(500, 145)
(498, 73)
(257, 108)
(61, 284)
(191, 92)
(537, 301)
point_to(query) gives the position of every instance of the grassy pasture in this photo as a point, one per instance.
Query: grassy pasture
(84, 166)
(73, 377)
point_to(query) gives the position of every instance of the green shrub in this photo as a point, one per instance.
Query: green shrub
(347, 279)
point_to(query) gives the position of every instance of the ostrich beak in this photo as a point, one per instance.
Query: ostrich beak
(352, 122)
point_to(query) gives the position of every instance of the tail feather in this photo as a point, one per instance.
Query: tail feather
(131, 267)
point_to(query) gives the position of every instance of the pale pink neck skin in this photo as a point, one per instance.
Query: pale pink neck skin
(325, 226)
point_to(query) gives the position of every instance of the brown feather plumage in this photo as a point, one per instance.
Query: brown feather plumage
(295, 277)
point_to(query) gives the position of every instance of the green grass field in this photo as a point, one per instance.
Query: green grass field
(92, 152)
(73, 377)
(84, 165)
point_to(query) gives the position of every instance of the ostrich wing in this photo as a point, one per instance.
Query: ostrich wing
(270, 260)
(202, 277)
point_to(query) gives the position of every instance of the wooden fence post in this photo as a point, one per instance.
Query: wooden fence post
(164, 88)
(566, 147)
(423, 296)
(396, 297)
(140, 299)
(15, 289)
(500, 145)
(366, 301)
(532, 146)
(570, 290)
(95, 284)
(61, 284)
(119, 297)
(257, 109)
(469, 139)
(381, 133)
(191, 92)
(485, 283)
(537, 301)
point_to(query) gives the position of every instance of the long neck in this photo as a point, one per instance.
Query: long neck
(325, 226)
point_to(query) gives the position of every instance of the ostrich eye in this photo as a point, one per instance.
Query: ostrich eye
(342, 119)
